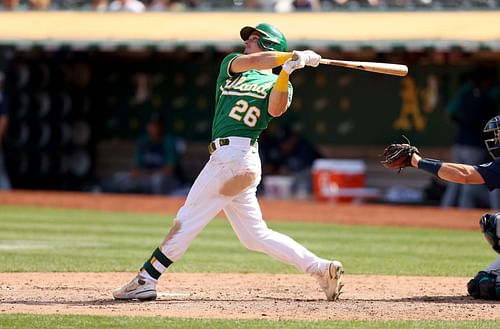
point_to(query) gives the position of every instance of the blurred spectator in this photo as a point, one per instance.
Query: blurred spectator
(39, 4)
(470, 109)
(252, 4)
(171, 5)
(282, 6)
(134, 6)
(10, 4)
(4, 178)
(155, 169)
(184, 4)
(306, 5)
(69, 4)
(160, 5)
(97, 5)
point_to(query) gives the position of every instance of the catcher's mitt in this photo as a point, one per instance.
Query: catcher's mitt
(398, 156)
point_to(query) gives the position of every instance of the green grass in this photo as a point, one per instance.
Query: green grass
(66, 322)
(41, 239)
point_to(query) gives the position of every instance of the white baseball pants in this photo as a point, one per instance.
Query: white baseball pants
(229, 182)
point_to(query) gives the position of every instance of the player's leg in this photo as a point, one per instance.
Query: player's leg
(494, 266)
(245, 217)
(202, 205)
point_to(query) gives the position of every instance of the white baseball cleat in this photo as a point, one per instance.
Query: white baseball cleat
(138, 288)
(331, 282)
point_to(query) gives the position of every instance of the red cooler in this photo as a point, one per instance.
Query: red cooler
(338, 180)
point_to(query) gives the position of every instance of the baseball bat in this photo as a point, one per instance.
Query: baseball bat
(384, 68)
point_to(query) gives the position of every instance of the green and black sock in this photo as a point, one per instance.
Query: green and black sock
(156, 264)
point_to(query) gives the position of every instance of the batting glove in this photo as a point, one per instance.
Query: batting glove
(292, 65)
(310, 57)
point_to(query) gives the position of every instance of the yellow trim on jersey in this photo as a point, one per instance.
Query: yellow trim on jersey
(282, 57)
(281, 83)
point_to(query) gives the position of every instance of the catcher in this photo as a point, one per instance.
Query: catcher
(486, 284)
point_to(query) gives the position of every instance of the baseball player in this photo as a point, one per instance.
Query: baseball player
(248, 95)
(486, 284)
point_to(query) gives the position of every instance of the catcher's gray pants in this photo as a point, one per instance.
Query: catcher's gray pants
(494, 266)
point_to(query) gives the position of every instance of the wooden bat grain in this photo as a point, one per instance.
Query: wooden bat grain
(383, 68)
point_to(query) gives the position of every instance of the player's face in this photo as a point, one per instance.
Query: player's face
(251, 45)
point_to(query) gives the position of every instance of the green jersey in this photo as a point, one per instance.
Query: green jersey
(242, 100)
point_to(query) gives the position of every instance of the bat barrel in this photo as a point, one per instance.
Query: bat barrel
(383, 68)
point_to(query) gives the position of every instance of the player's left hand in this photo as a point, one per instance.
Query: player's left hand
(308, 56)
(398, 156)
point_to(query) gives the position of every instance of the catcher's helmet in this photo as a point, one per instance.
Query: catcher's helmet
(493, 141)
(271, 39)
(491, 229)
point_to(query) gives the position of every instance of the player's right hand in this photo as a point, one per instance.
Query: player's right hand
(308, 56)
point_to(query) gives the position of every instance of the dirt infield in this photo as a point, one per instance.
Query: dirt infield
(251, 296)
(239, 296)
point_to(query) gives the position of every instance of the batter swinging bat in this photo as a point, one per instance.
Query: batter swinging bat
(384, 68)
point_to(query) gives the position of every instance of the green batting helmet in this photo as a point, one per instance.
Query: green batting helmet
(271, 39)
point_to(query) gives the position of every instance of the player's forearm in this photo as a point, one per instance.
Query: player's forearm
(460, 173)
(451, 172)
(278, 102)
(259, 61)
(278, 99)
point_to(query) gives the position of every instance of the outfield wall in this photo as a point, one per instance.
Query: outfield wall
(74, 84)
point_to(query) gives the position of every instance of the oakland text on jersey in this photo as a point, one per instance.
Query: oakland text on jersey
(238, 87)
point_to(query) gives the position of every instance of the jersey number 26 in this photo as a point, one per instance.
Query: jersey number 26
(241, 111)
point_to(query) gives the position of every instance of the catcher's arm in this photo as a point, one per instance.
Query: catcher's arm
(448, 171)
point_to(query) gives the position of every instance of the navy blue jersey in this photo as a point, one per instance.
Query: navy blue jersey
(491, 173)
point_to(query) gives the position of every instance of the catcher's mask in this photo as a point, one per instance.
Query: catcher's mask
(493, 141)
(271, 38)
(491, 229)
